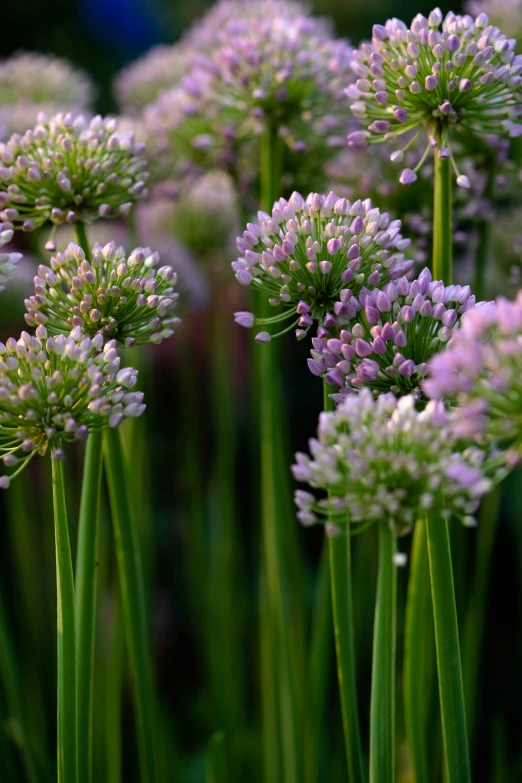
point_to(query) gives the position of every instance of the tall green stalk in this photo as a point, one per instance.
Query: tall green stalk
(451, 690)
(275, 521)
(417, 636)
(133, 599)
(86, 585)
(442, 221)
(66, 637)
(340, 548)
(382, 707)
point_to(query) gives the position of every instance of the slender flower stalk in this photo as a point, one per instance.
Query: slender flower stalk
(67, 688)
(274, 493)
(133, 600)
(86, 588)
(418, 607)
(442, 263)
(340, 547)
(451, 689)
(382, 708)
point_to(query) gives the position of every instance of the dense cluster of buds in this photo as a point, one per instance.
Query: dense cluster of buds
(314, 256)
(8, 261)
(437, 76)
(382, 461)
(481, 373)
(67, 169)
(54, 390)
(31, 83)
(127, 299)
(395, 332)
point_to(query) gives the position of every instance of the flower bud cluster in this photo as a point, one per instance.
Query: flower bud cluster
(67, 169)
(127, 299)
(314, 256)
(395, 332)
(31, 83)
(381, 460)
(438, 75)
(481, 372)
(8, 261)
(54, 390)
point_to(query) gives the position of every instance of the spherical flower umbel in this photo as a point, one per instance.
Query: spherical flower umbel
(439, 75)
(120, 297)
(68, 169)
(31, 82)
(480, 372)
(314, 256)
(54, 390)
(382, 461)
(393, 335)
(8, 261)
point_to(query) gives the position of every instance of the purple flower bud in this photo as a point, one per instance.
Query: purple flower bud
(408, 177)
(362, 348)
(316, 367)
(407, 368)
(263, 337)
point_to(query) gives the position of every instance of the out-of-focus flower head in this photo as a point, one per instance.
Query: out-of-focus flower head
(314, 257)
(382, 461)
(141, 82)
(8, 261)
(68, 169)
(394, 333)
(122, 298)
(54, 390)
(274, 70)
(31, 83)
(439, 76)
(228, 15)
(481, 372)
(505, 14)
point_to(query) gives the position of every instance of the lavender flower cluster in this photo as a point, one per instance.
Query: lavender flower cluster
(54, 390)
(68, 169)
(481, 372)
(437, 76)
(396, 331)
(125, 299)
(382, 461)
(314, 256)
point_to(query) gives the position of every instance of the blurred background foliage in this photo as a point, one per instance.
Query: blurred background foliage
(102, 36)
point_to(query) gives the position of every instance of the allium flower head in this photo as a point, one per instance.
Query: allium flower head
(68, 169)
(141, 82)
(314, 257)
(8, 261)
(127, 299)
(54, 390)
(439, 75)
(382, 461)
(31, 83)
(279, 71)
(396, 331)
(481, 371)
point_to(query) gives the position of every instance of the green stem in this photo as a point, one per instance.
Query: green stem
(442, 232)
(340, 570)
(86, 585)
(113, 696)
(319, 665)
(417, 637)
(382, 708)
(133, 599)
(277, 539)
(82, 240)
(67, 726)
(451, 691)
(340, 548)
